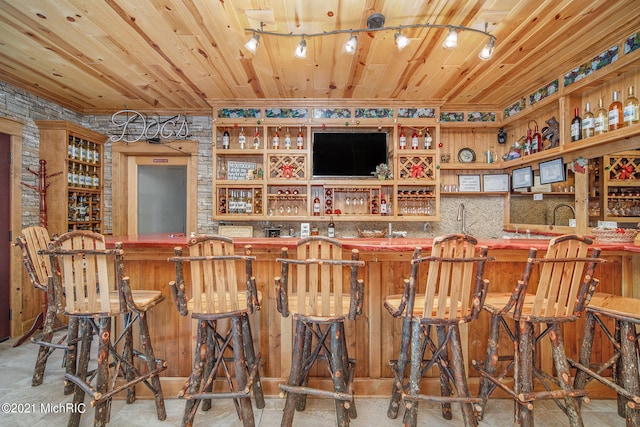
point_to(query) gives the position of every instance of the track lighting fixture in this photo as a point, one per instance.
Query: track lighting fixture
(376, 23)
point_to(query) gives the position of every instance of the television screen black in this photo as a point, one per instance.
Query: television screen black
(348, 154)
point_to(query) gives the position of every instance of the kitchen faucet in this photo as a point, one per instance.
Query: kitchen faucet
(555, 210)
(461, 217)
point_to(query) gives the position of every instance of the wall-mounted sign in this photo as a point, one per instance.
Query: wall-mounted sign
(134, 126)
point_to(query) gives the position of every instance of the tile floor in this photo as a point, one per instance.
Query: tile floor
(16, 368)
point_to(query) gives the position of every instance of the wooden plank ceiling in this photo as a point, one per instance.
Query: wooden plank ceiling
(96, 57)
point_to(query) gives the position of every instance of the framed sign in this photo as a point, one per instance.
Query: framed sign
(240, 171)
(552, 171)
(522, 177)
(497, 183)
(469, 183)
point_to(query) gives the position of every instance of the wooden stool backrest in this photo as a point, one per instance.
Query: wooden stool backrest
(214, 280)
(454, 278)
(566, 277)
(32, 240)
(87, 271)
(317, 277)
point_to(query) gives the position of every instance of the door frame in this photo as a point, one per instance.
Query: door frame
(20, 289)
(124, 180)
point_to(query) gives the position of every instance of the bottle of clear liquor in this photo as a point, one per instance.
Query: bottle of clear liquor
(631, 110)
(601, 119)
(587, 122)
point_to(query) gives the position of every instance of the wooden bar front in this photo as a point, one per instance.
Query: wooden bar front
(374, 337)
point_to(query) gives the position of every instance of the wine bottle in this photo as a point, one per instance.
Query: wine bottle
(428, 139)
(316, 206)
(331, 229)
(414, 141)
(287, 140)
(70, 148)
(601, 119)
(300, 140)
(527, 143)
(275, 139)
(225, 139)
(383, 205)
(587, 122)
(536, 140)
(242, 140)
(631, 111)
(403, 140)
(256, 140)
(576, 126)
(615, 113)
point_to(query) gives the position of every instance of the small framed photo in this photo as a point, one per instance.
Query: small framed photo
(497, 183)
(469, 183)
(522, 177)
(552, 171)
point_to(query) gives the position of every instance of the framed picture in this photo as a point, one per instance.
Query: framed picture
(497, 183)
(522, 177)
(552, 171)
(469, 183)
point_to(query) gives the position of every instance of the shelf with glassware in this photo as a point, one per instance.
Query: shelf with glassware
(350, 201)
(76, 203)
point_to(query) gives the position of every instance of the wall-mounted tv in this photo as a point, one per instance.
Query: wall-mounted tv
(348, 154)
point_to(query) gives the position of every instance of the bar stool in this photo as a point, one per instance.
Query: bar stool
(224, 338)
(625, 313)
(453, 295)
(38, 268)
(313, 293)
(564, 286)
(96, 292)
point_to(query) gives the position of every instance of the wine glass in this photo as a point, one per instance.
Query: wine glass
(354, 204)
(347, 203)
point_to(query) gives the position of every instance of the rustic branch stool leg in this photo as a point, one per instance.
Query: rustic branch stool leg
(295, 374)
(490, 363)
(101, 417)
(252, 361)
(47, 336)
(147, 349)
(301, 402)
(209, 360)
(445, 385)
(415, 374)
(629, 369)
(127, 355)
(399, 370)
(195, 379)
(564, 375)
(71, 353)
(240, 364)
(460, 378)
(586, 349)
(523, 372)
(82, 368)
(339, 371)
(617, 372)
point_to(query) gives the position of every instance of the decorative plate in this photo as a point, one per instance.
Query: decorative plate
(466, 155)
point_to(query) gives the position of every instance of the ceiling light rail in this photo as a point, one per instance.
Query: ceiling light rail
(374, 23)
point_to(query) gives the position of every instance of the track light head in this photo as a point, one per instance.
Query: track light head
(487, 51)
(252, 44)
(452, 39)
(401, 41)
(301, 49)
(351, 45)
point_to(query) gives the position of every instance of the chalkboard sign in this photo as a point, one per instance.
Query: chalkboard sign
(239, 171)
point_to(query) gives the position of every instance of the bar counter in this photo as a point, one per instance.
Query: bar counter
(374, 337)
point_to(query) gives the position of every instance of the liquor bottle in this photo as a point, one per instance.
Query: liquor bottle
(275, 139)
(576, 126)
(256, 139)
(631, 109)
(96, 180)
(428, 139)
(403, 140)
(241, 205)
(527, 143)
(82, 152)
(383, 205)
(587, 122)
(248, 206)
(70, 148)
(81, 177)
(96, 154)
(316, 206)
(74, 176)
(225, 140)
(242, 140)
(300, 140)
(75, 153)
(536, 140)
(615, 113)
(287, 140)
(331, 229)
(70, 176)
(414, 141)
(601, 123)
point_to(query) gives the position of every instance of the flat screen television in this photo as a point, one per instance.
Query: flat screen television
(348, 154)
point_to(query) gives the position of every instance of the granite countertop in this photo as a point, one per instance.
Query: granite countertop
(362, 244)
